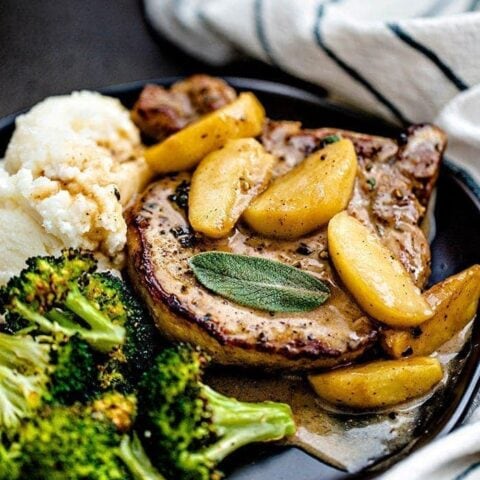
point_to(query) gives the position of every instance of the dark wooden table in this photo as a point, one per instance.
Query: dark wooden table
(55, 46)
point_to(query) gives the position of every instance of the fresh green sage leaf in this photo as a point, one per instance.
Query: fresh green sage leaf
(328, 140)
(259, 283)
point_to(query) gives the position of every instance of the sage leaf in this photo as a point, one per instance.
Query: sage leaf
(329, 139)
(259, 283)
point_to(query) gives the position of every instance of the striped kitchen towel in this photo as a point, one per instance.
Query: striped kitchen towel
(405, 60)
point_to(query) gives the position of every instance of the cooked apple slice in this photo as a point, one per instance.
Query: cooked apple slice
(378, 384)
(182, 151)
(308, 196)
(224, 183)
(454, 301)
(376, 279)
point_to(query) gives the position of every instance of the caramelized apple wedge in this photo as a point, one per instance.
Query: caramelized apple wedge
(454, 301)
(308, 196)
(376, 279)
(241, 118)
(378, 384)
(224, 183)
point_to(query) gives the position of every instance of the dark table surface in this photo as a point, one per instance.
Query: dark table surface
(56, 46)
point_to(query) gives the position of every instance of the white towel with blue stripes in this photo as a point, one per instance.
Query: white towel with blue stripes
(405, 60)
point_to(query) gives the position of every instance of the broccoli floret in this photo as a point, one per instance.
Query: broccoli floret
(118, 408)
(9, 461)
(24, 375)
(191, 427)
(37, 371)
(48, 295)
(75, 373)
(69, 443)
(77, 443)
(126, 362)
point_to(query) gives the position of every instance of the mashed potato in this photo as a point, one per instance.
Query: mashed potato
(87, 118)
(84, 134)
(72, 164)
(22, 232)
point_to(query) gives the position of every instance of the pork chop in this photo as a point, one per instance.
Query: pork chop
(393, 186)
(160, 242)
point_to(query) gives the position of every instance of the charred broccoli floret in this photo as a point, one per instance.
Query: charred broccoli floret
(76, 443)
(65, 298)
(66, 443)
(126, 362)
(49, 296)
(120, 409)
(191, 427)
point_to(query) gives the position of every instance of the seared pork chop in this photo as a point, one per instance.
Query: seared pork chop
(393, 187)
(160, 242)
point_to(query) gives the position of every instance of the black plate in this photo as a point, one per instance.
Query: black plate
(454, 248)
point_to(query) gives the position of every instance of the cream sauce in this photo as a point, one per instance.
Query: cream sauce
(345, 439)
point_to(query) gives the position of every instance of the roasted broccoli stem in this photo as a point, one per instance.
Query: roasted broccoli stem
(24, 376)
(126, 362)
(191, 427)
(133, 455)
(76, 443)
(49, 295)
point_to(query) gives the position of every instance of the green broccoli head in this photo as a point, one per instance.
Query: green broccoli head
(77, 443)
(171, 393)
(38, 371)
(45, 282)
(126, 362)
(75, 373)
(106, 292)
(65, 298)
(192, 427)
(119, 409)
(10, 458)
(47, 297)
(67, 442)
(24, 376)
